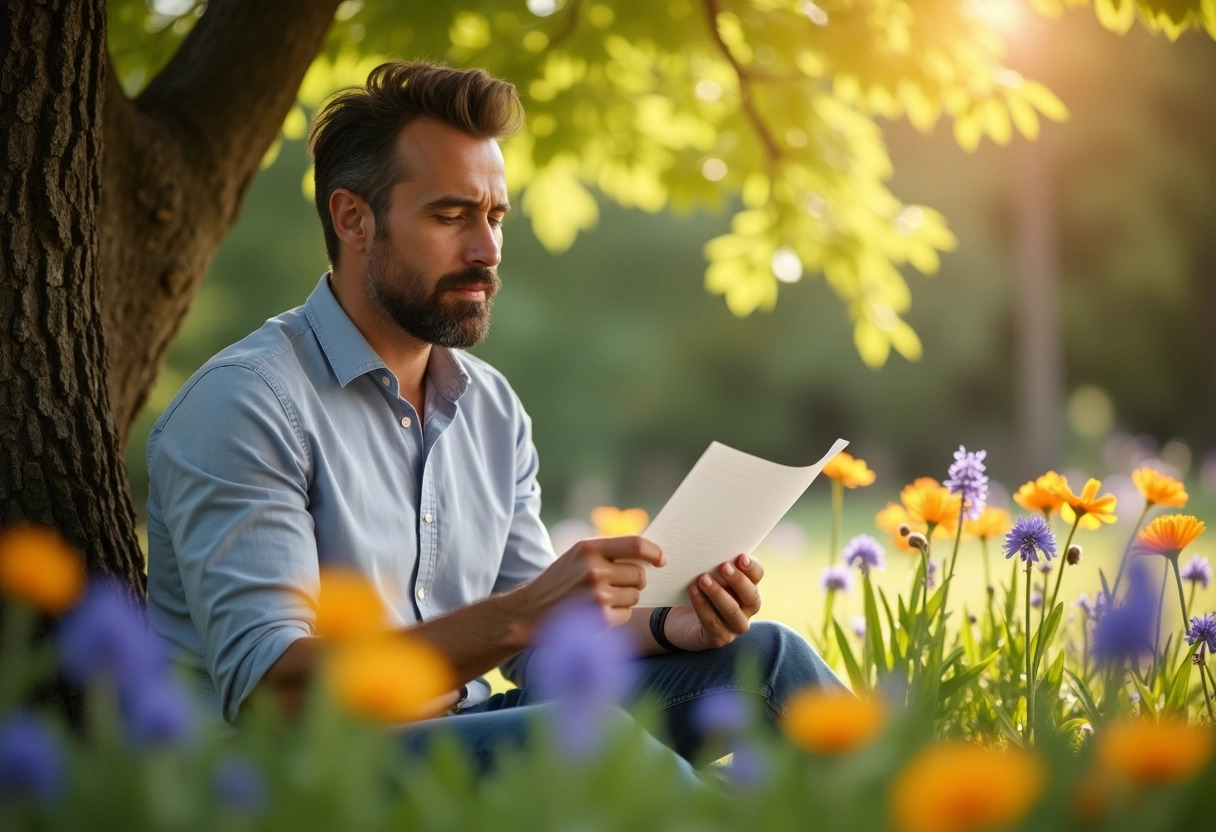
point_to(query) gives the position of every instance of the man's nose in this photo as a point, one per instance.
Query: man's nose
(484, 248)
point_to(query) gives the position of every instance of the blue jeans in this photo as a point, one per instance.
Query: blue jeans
(777, 662)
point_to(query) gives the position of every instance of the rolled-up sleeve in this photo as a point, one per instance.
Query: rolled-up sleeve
(231, 475)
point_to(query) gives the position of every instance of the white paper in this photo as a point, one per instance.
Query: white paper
(727, 504)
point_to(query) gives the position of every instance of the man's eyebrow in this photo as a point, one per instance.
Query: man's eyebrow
(453, 201)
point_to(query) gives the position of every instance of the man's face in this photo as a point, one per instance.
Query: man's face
(432, 265)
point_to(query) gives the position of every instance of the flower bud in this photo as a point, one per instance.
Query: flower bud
(971, 617)
(918, 541)
(1074, 555)
(904, 530)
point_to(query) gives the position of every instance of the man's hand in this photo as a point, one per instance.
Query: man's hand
(721, 606)
(597, 570)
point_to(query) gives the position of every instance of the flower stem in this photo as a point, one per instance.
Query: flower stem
(1114, 592)
(1064, 561)
(1190, 602)
(827, 614)
(1029, 671)
(1165, 576)
(1178, 581)
(958, 537)
(837, 516)
(1207, 695)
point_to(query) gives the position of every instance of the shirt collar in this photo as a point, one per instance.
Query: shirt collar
(350, 356)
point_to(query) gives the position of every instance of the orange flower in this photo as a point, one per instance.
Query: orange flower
(349, 606)
(1158, 489)
(391, 678)
(957, 787)
(931, 503)
(831, 722)
(1169, 534)
(1094, 510)
(1150, 753)
(1041, 494)
(38, 566)
(891, 518)
(615, 522)
(992, 522)
(849, 471)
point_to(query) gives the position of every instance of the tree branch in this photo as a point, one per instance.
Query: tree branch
(712, 9)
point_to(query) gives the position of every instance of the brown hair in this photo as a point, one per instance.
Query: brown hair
(354, 137)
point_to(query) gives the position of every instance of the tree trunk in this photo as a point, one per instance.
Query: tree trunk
(113, 210)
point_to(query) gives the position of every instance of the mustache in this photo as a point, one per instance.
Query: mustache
(475, 277)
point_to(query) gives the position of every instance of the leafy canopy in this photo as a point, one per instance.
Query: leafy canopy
(767, 106)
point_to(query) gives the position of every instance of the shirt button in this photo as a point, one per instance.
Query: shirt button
(421, 593)
(405, 421)
(384, 380)
(428, 517)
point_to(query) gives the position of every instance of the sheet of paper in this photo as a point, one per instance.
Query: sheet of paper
(727, 504)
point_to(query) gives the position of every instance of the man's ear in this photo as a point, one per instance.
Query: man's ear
(353, 220)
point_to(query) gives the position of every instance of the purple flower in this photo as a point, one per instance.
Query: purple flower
(865, 553)
(1126, 630)
(239, 784)
(1029, 537)
(748, 767)
(107, 638)
(586, 669)
(1203, 628)
(1198, 570)
(931, 575)
(836, 578)
(31, 763)
(858, 625)
(723, 713)
(1036, 599)
(1092, 609)
(1045, 567)
(159, 712)
(967, 478)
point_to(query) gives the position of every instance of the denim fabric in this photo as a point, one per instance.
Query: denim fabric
(769, 662)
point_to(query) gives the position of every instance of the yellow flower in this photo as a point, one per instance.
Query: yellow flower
(1147, 753)
(38, 566)
(931, 503)
(391, 678)
(1042, 494)
(1094, 510)
(955, 787)
(992, 522)
(891, 518)
(832, 722)
(1158, 489)
(349, 606)
(849, 471)
(1169, 534)
(615, 522)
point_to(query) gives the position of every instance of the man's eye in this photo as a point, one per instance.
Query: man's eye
(447, 220)
(496, 221)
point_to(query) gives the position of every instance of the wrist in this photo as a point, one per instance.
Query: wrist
(658, 629)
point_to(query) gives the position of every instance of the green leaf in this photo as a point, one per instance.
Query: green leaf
(960, 680)
(1147, 698)
(1087, 698)
(1175, 699)
(874, 630)
(968, 637)
(856, 677)
(1045, 635)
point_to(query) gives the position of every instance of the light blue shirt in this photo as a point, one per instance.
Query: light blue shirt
(291, 450)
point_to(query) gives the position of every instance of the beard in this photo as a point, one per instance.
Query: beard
(401, 291)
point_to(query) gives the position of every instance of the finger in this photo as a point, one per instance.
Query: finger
(715, 632)
(608, 598)
(750, 567)
(631, 548)
(727, 606)
(741, 586)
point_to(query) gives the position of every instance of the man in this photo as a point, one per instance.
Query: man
(350, 432)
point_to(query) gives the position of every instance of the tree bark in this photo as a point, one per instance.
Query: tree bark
(113, 210)
(60, 457)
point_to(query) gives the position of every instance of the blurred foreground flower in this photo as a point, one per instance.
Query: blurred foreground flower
(349, 606)
(585, 668)
(239, 784)
(1087, 510)
(106, 638)
(1041, 495)
(1126, 631)
(1148, 752)
(831, 721)
(968, 479)
(1029, 537)
(39, 567)
(848, 471)
(723, 713)
(865, 553)
(393, 677)
(615, 522)
(956, 787)
(1159, 489)
(31, 763)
